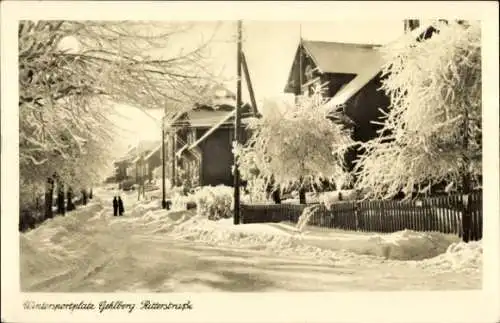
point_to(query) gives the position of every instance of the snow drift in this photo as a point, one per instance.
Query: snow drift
(431, 250)
(402, 245)
(75, 241)
(458, 257)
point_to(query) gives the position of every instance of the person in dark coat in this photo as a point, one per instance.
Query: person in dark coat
(115, 206)
(121, 209)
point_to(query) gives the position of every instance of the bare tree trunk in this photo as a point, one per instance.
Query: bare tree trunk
(70, 206)
(49, 194)
(84, 197)
(60, 198)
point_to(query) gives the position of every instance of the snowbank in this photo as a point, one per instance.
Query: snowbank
(62, 236)
(406, 245)
(402, 245)
(223, 232)
(459, 256)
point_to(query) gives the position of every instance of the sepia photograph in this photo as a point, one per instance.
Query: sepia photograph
(229, 156)
(140, 162)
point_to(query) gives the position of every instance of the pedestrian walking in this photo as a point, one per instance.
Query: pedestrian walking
(115, 206)
(121, 209)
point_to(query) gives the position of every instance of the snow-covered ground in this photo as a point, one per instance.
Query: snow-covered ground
(150, 249)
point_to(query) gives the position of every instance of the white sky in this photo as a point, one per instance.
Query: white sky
(269, 48)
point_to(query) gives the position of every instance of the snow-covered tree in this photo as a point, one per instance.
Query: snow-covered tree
(71, 73)
(294, 145)
(432, 133)
(65, 65)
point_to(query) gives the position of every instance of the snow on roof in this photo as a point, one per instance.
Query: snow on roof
(334, 57)
(142, 147)
(205, 118)
(345, 58)
(364, 76)
(369, 71)
(226, 116)
(152, 152)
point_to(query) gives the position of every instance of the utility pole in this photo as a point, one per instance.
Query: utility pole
(163, 188)
(302, 191)
(173, 143)
(237, 126)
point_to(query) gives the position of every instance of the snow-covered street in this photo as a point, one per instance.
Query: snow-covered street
(152, 250)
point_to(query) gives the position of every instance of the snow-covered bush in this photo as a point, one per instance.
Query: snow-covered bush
(330, 198)
(432, 133)
(256, 188)
(214, 202)
(179, 202)
(179, 199)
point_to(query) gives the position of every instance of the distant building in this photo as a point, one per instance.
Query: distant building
(134, 165)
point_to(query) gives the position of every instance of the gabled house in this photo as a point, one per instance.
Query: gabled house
(352, 74)
(151, 161)
(133, 165)
(144, 162)
(200, 141)
(363, 101)
(335, 65)
(121, 166)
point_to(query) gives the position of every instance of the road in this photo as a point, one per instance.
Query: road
(89, 250)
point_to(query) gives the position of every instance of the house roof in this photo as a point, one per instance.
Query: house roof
(356, 84)
(152, 152)
(208, 112)
(206, 117)
(215, 126)
(142, 147)
(369, 71)
(344, 58)
(223, 118)
(218, 95)
(334, 57)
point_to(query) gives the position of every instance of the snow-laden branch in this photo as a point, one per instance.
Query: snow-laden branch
(294, 144)
(435, 91)
(64, 92)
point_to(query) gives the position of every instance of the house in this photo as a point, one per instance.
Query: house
(352, 74)
(363, 101)
(151, 161)
(320, 62)
(200, 141)
(121, 167)
(335, 65)
(134, 164)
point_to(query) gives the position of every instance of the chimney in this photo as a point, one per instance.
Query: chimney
(411, 24)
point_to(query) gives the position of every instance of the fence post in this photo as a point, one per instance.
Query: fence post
(466, 218)
(356, 214)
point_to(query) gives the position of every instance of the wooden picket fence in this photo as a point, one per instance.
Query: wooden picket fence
(441, 214)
